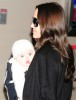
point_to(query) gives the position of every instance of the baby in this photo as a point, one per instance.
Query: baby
(22, 55)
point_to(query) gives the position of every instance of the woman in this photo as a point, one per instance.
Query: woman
(49, 74)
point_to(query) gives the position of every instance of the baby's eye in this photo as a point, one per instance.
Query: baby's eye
(30, 54)
(22, 56)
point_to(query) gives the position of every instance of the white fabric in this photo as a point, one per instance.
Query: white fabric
(18, 76)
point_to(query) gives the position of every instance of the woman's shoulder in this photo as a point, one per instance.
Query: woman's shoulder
(48, 50)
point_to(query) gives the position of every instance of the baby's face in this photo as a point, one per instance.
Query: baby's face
(25, 57)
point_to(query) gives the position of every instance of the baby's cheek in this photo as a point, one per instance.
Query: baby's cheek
(31, 58)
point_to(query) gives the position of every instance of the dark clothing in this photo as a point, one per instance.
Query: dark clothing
(67, 90)
(9, 85)
(45, 77)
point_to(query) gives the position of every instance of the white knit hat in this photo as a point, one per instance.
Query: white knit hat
(20, 46)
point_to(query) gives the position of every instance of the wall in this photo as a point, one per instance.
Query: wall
(19, 17)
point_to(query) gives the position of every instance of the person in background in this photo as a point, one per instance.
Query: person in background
(52, 69)
(17, 66)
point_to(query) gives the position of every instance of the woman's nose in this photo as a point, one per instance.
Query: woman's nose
(32, 25)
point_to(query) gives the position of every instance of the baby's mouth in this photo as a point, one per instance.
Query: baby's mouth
(28, 62)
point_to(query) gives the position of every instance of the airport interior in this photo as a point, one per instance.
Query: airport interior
(15, 21)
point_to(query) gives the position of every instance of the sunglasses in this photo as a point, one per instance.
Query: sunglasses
(35, 22)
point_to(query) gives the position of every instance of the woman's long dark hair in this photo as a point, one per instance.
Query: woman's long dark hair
(53, 26)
